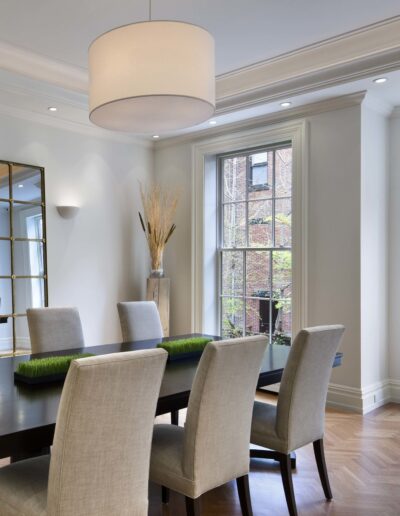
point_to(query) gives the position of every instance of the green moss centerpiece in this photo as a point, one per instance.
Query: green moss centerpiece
(46, 370)
(185, 348)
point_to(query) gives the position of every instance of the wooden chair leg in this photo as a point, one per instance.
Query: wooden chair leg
(192, 506)
(164, 494)
(286, 472)
(321, 464)
(175, 417)
(244, 495)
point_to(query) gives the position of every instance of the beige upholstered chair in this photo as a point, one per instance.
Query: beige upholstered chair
(299, 416)
(99, 464)
(139, 320)
(213, 447)
(54, 329)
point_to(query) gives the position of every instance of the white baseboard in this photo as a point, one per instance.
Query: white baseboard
(364, 400)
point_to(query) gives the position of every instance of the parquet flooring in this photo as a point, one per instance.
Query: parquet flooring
(363, 458)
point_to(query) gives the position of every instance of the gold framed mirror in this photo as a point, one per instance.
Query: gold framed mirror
(23, 253)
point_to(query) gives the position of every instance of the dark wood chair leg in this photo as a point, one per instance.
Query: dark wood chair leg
(175, 417)
(192, 506)
(244, 495)
(321, 464)
(164, 494)
(286, 472)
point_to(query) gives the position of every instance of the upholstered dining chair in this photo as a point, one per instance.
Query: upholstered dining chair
(54, 329)
(298, 418)
(139, 320)
(99, 465)
(213, 447)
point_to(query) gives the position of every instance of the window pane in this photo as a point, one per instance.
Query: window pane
(29, 293)
(234, 179)
(28, 258)
(260, 175)
(283, 223)
(5, 258)
(22, 340)
(5, 297)
(283, 327)
(258, 280)
(253, 321)
(260, 224)
(259, 315)
(232, 317)
(26, 183)
(283, 173)
(4, 182)
(6, 336)
(235, 225)
(281, 273)
(22, 216)
(4, 219)
(232, 273)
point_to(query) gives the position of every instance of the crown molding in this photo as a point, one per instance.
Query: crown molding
(354, 55)
(342, 102)
(357, 54)
(73, 126)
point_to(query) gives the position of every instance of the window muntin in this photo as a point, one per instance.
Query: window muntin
(255, 243)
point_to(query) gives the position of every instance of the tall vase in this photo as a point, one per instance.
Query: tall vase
(157, 270)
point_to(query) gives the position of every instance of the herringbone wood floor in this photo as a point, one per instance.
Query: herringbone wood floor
(363, 457)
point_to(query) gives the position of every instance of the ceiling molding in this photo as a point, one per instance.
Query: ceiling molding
(371, 50)
(342, 102)
(354, 55)
(76, 127)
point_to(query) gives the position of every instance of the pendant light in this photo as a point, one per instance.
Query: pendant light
(152, 77)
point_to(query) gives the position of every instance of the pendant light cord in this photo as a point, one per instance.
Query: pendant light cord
(149, 10)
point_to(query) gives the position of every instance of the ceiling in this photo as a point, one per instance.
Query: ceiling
(245, 31)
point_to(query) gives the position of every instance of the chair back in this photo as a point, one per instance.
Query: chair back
(304, 385)
(217, 429)
(54, 329)
(139, 320)
(101, 451)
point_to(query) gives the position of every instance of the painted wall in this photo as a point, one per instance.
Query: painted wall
(333, 232)
(100, 257)
(394, 254)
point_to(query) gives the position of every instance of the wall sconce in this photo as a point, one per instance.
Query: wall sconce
(67, 212)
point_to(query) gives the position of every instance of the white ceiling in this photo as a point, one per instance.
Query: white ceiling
(245, 31)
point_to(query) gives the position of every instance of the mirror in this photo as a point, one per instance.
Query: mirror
(23, 267)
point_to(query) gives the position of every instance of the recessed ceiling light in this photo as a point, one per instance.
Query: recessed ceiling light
(52, 108)
(20, 186)
(212, 122)
(286, 104)
(156, 137)
(380, 80)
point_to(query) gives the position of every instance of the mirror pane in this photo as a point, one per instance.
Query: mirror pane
(28, 258)
(5, 258)
(4, 219)
(29, 293)
(22, 340)
(4, 181)
(5, 297)
(6, 336)
(26, 183)
(27, 221)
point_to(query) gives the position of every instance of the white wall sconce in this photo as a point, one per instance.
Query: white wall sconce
(67, 212)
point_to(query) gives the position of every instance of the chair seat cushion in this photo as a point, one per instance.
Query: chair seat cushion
(167, 459)
(263, 428)
(23, 487)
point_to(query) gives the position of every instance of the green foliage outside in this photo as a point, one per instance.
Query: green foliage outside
(176, 347)
(48, 366)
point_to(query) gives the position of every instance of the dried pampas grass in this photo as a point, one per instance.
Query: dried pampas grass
(159, 207)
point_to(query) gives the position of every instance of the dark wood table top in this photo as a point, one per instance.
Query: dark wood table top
(28, 413)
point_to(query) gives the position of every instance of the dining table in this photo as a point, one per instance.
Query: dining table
(28, 413)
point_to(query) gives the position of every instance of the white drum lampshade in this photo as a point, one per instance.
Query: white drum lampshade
(152, 77)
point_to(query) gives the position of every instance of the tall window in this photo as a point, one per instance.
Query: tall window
(255, 243)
